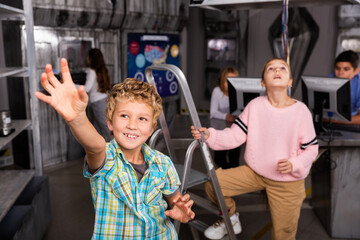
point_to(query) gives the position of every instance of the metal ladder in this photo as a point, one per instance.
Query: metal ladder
(188, 176)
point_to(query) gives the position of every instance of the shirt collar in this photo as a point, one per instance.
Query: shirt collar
(149, 153)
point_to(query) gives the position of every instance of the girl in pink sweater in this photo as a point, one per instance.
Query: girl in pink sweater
(281, 146)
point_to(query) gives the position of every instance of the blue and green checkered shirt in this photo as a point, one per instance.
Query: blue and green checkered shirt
(126, 208)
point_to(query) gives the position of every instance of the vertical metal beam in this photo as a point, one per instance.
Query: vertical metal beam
(34, 102)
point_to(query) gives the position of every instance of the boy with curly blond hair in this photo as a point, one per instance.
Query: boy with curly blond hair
(135, 189)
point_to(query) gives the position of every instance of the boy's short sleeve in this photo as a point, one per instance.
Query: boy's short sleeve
(106, 165)
(172, 181)
(87, 173)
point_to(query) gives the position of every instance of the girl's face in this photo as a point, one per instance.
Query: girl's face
(276, 74)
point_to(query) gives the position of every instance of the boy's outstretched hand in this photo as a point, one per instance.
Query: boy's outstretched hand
(64, 97)
(181, 209)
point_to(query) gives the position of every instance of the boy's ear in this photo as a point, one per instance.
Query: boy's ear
(356, 70)
(109, 124)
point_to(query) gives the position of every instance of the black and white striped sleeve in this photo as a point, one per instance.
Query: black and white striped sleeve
(241, 124)
(312, 142)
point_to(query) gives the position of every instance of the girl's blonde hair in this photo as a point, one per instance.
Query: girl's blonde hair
(220, 81)
(134, 90)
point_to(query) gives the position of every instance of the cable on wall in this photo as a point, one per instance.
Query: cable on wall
(285, 45)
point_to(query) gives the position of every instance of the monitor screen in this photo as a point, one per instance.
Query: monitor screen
(242, 91)
(327, 97)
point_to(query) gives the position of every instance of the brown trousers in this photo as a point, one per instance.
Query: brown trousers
(285, 198)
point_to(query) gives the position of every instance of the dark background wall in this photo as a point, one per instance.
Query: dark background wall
(258, 47)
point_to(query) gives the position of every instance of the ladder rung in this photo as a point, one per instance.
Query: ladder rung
(199, 225)
(195, 177)
(204, 203)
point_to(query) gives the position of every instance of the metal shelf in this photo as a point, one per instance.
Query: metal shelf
(5, 9)
(19, 126)
(10, 12)
(29, 71)
(12, 183)
(250, 4)
(14, 72)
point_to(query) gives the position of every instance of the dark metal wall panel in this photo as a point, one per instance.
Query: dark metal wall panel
(78, 13)
(155, 15)
(159, 15)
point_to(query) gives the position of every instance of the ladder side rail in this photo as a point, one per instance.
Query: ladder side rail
(187, 165)
(154, 137)
(186, 174)
(163, 124)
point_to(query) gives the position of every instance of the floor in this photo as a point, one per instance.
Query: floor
(73, 214)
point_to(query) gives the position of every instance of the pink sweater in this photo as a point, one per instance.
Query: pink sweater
(271, 134)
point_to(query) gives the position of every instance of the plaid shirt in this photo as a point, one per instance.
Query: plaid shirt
(126, 208)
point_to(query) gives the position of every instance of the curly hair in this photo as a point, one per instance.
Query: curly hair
(97, 63)
(134, 90)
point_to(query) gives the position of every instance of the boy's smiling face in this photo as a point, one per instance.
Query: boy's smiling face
(132, 124)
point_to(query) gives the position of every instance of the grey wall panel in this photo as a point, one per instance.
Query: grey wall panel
(54, 136)
(57, 143)
(345, 194)
(148, 6)
(134, 6)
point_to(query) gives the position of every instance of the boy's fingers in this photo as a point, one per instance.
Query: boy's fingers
(82, 93)
(190, 213)
(43, 97)
(48, 68)
(50, 75)
(65, 70)
(45, 83)
(189, 204)
(186, 197)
